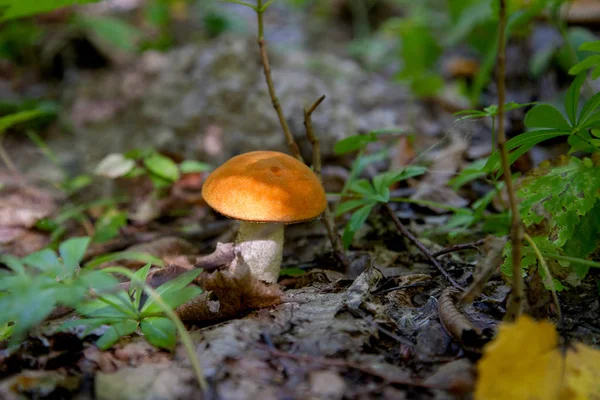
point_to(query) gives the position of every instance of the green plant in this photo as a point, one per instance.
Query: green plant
(11, 9)
(591, 62)
(547, 122)
(161, 170)
(34, 285)
(125, 313)
(361, 195)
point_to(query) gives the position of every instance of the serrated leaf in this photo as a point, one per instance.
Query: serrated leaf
(545, 116)
(116, 332)
(160, 332)
(566, 193)
(585, 239)
(72, 251)
(162, 166)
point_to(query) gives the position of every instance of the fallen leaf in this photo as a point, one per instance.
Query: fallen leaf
(524, 362)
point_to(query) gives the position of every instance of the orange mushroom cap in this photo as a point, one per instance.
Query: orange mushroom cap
(265, 186)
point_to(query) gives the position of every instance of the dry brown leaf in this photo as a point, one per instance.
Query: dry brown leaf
(229, 293)
(524, 362)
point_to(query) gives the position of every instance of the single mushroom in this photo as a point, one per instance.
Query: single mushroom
(264, 190)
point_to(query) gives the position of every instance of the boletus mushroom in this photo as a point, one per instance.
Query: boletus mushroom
(264, 190)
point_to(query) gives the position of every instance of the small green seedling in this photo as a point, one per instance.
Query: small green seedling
(34, 285)
(125, 313)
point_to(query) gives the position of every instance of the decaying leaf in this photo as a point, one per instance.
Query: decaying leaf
(229, 292)
(486, 267)
(525, 362)
(457, 324)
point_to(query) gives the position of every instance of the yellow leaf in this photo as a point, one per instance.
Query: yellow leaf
(582, 374)
(524, 363)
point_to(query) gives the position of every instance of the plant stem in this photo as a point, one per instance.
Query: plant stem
(183, 333)
(328, 219)
(515, 307)
(549, 281)
(262, 44)
(400, 226)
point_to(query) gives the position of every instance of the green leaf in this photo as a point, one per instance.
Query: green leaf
(116, 332)
(20, 117)
(470, 173)
(100, 281)
(160, 332)
(353, 143)
(21, 8)
(190, 166)
(162, 166)
(111, 31)
(135, 289)
(585, 239)
(522, 143)
(114, 166)
(584, 65)
(13, 263)
(293, 271)
(591, 46)
(171, 288)
(592, 121)
(173, 298)
(572, 98)
(364, 187)
(125, 255)
(588, 108)
(565, 193)
(32, 307)
(546, 116)
(109, 225)
(72, 252)
(45, 260)
(349, 205)
(357, 220)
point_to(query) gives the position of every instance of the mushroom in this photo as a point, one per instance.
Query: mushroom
(264, 190)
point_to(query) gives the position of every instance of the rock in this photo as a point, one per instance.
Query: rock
(147, 382)
(210, 101)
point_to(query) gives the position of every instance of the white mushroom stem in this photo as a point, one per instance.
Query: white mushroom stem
(261, 247)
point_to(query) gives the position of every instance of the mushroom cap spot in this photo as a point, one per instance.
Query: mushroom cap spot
(265, 186)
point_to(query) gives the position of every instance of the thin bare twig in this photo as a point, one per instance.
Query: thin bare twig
(328, 219)
(459, 247)
(515, 306)
(404, 230)
(262, 44)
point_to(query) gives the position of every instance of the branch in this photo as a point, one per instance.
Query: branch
(262, 44)
(328, 219)
(515, 307)
(421, 247)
